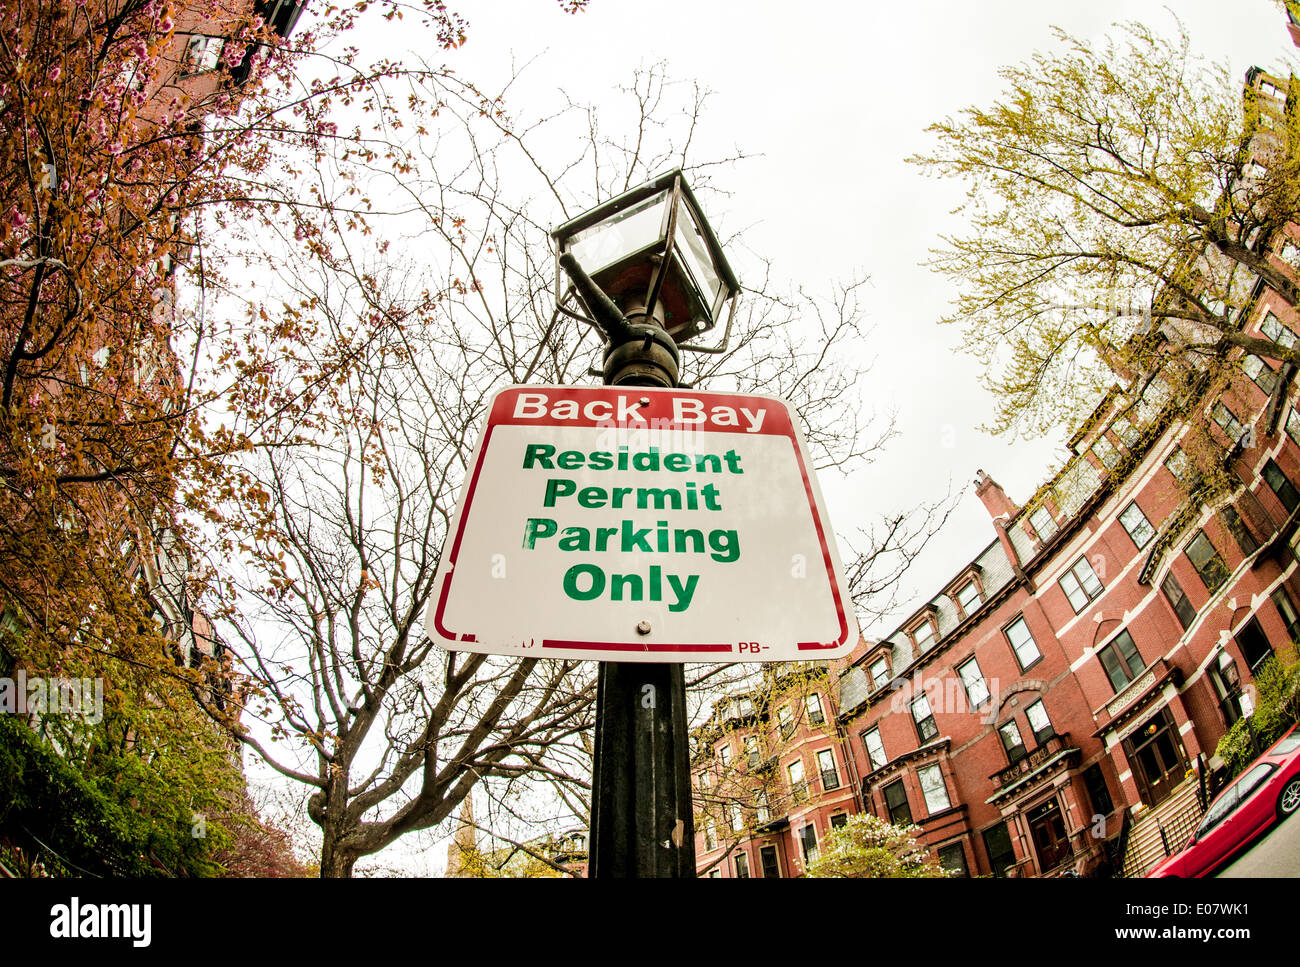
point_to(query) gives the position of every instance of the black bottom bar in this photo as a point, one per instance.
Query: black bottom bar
(641, 823)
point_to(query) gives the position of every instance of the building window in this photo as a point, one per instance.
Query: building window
(786, 720)
(1123, 428)
(742, 866)
(752, 755)
(997, 844)
(710, 835)
(1293, 424)
(1178, 600)
(1039, 722)
(839, 819)
(1106, 452)
(1022, 643)
(814, 706)
(1137, 526)
(1287, 609)
(1240, 533)
(1280, 334)
(724, 754)
(977, 690)
(826, 765)
(880, 673)
(1012, 742)
(203, 53)
(771, 867)
(1280, 485)
(737, 817)
(1043, 523)
(1227, 421)
(1206, 560)
(969, 598)
(953, 859)
(715, 874)
(762, 811)
(924, 636)
(1178, 464)
(704, 782)
(1080, 584)
(1094, 780)
(797, 788)
(900, 814)
(926, 729)
(1254, 645)
(933, 789)
(808, 840)
(1265, 376)
(875, 748)
(1121, 660)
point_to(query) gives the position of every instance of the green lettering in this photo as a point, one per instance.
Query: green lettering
(557, 487)
(596, 589)
(538, 527)
(539, 453)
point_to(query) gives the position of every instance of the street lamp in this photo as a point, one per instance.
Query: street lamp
(648, 271)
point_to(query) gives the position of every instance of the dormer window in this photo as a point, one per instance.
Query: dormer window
(926, 633)
(968, 598)
(880, 672)
(1043, 523)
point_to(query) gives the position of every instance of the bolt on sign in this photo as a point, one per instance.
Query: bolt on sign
(637, 524)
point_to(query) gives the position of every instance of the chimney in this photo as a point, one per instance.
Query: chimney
(995, 498)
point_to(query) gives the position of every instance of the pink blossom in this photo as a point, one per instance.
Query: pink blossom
(55, 71)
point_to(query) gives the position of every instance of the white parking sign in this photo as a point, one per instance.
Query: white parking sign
(636, 524)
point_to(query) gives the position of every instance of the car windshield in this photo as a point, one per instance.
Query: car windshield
(1235, 795)
(1287, 745)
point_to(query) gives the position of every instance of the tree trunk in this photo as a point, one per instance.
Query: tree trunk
(335, 863)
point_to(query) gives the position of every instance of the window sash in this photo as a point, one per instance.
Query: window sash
(880, 673)
(1207, 562)
(926, 727)
(1043, 523)
(1012, 743)
(814, 705)
(933, 789)
(977, 690)
(1022, 643)
(1280, 485)
(1122, 661)
(875, 748)
(1178, 600)
(969, 598)
(1227, 421)
(1137, 526)
(1039, 722)
(900, 813)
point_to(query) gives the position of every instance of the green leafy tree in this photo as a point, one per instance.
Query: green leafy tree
(867, 847)
(1115, 190)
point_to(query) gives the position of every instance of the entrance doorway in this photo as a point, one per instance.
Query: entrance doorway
(1047, 826)
(1157, 757)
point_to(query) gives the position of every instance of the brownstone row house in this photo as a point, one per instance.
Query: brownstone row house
(1055, 706)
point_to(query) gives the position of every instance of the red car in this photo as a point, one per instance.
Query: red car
(1268, 791)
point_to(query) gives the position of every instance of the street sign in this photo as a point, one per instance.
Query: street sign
(623, 523)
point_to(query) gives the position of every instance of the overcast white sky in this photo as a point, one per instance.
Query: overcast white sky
(831, 97)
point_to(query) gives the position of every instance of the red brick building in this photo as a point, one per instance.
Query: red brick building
(1055, 706)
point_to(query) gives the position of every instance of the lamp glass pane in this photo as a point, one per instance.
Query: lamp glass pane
(694, 254)
(620, 235)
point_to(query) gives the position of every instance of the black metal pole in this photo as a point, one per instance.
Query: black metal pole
(641, 808)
